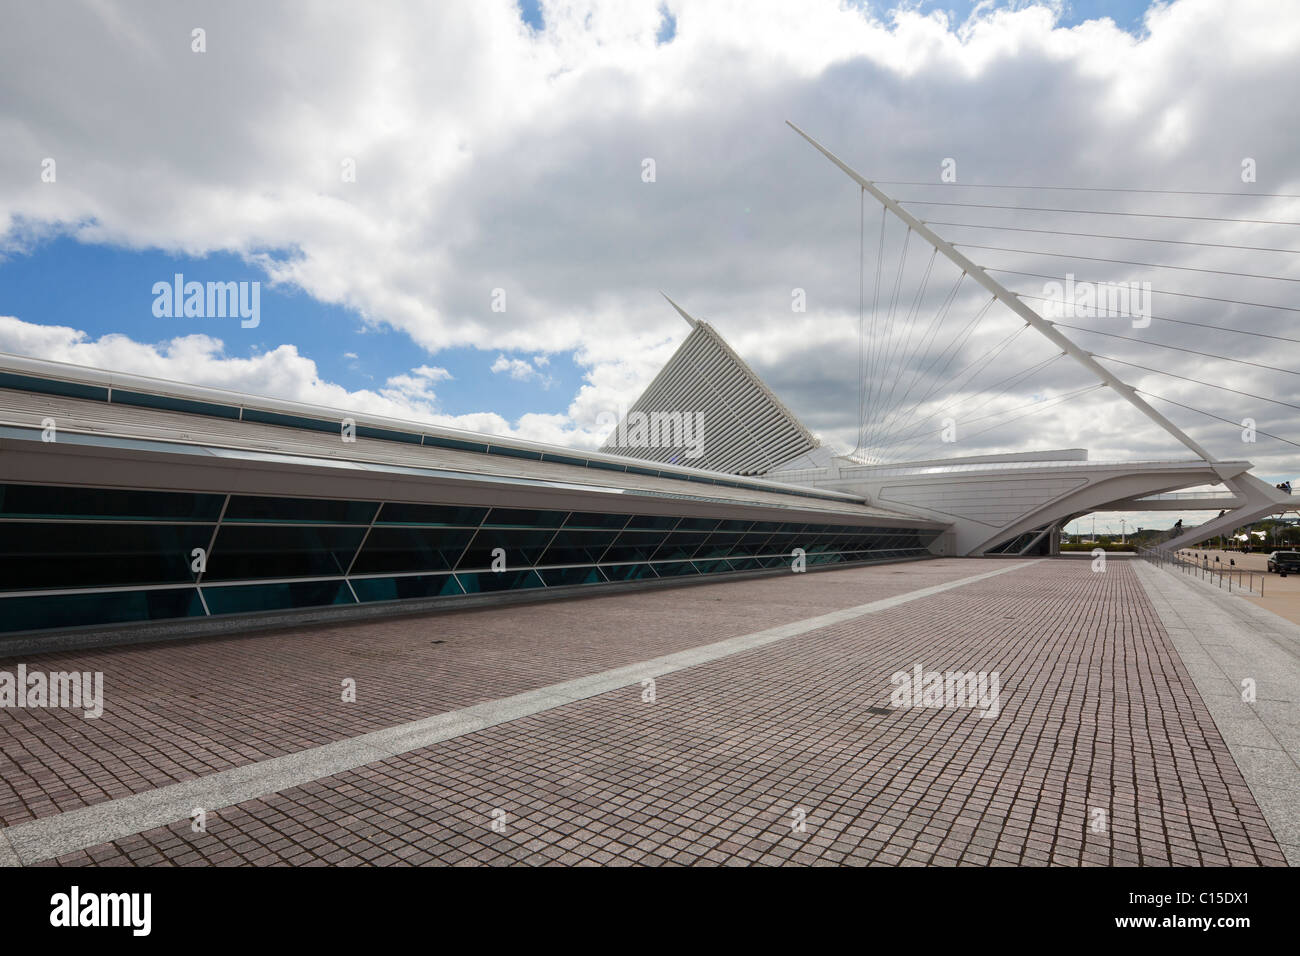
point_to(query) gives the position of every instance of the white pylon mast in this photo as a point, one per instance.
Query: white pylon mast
(1011, 301)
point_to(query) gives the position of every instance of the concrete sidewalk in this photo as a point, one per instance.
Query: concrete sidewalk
(1226, 640)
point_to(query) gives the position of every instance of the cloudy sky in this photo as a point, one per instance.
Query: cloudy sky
(450, 210)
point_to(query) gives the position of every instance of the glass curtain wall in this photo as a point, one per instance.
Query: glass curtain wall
(78, 556)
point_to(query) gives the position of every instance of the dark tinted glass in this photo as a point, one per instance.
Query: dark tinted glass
(734, 525)
(399, 513)
(407, 548)
(557, 577)
(456, 443)
(45, 501)
(252, 551)
(515, 452)
(525, 517)
(145, 400)
(718, 545)
(652, 523)
(712, 567)
(292, 421)
(589, 519)
(578, 547)
(387, 434)
(628, 572)
(73, 610)
(51, 386)
(679, 544)
(635, 546)
(697, 524)
(310, 510)
(672, 569)
(522, 547)
(397, 589)
(565, 460)
(269, 597)
(503, 581)
(69, 555)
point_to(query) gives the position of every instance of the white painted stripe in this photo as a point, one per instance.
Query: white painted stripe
(78, 829)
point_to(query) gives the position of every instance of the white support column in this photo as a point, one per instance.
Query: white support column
(1011, 301)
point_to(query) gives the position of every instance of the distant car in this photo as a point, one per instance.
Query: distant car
(1284, 562)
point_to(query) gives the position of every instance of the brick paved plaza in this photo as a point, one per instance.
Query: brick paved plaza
(1100, 720)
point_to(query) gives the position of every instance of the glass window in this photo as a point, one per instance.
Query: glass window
(628, 572)
(712, 567)
(635, 546)
(240, 599)
(309, 510)
(754, 543)
(412, 586)
(591, 519)
(64, 554)
(679, 544)
(109, 607)
(145, 400)
(456, 443)
(410, 548)
(697, 524)
(53, 501)
(51, 386)
(254, 551)
(564, 460)
(522, 546)
(387, 434)
(578, 547)
(782, 543)
(514, 452)
(484, 581)
(525, 518)
(557, 577)
(652, 523)
(396, 512)
(292, 421)
(672, 569)
(735, 525)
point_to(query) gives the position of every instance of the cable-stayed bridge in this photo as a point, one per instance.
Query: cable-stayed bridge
(945, 347)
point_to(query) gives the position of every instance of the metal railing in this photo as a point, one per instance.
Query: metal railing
(1221, 576)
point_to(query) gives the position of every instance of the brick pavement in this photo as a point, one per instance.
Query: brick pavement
(181, 710)
(1098, 713)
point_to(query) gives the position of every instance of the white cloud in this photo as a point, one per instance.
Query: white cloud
(488, 157)
(282, 373)
(521, 370)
